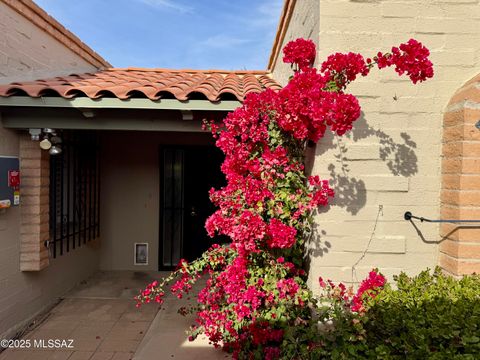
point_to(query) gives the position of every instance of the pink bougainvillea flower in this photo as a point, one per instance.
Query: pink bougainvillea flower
(280, 235)
(267, 203)
(371, 285)
(300, 52)
(410, 58)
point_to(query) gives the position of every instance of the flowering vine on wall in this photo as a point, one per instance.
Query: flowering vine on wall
(255, 291)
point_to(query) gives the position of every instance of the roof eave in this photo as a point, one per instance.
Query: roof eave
(114, 103)
(285, 17)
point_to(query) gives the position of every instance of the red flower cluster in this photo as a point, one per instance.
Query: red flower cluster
(148, 294)
(410, 58)
(308, 108)
(344, 68)
(280, 235)
(266, 206)
(184, 284)
(253, 180)
(301, 52)
(369, 286)
(288, 288)
(259, 333)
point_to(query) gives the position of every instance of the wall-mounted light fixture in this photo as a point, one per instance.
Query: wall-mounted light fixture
(50, 140)
(45, 144)
(55, 150)
(35, 134)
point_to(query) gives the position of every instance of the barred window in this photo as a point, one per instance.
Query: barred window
(74, 192)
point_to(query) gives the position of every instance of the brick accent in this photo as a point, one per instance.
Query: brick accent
(460, 197)
(34, 169)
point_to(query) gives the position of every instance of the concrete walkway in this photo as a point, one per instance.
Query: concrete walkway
(166, 338)
(100, 318)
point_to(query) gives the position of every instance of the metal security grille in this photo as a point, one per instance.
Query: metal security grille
(74, 192)
(173, 208)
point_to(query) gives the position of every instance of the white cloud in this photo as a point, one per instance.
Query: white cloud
(169, 4)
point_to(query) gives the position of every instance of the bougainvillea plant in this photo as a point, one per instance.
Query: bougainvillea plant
(256, 290)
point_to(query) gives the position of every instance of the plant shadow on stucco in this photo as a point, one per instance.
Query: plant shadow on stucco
(317, 246)
(350, 191)
(400, 158)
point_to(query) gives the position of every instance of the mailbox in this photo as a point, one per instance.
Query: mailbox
(9, 181)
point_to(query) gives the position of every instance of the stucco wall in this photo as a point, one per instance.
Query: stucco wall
(391, 162)
(304, 23)
(27, 53)
(24, 294)
(130, 183)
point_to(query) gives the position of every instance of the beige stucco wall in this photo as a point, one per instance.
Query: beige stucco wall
(28, 53)
(130, 183)
(391, 162)
(303, 23)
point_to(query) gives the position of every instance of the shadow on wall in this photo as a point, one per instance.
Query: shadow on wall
(400, 159)
(319, 247)
(448, 236)
(350, 191)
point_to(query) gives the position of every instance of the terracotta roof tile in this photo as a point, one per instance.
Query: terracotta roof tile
(154, 84)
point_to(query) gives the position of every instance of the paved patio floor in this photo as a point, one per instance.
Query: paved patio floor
(101, 319)
(167, 339)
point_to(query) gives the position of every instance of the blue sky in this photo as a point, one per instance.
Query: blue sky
(201, 34)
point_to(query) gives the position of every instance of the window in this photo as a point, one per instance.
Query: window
(74, 192)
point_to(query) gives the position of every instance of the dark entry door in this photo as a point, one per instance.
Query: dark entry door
(187, 174)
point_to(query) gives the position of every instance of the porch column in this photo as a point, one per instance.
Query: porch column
(34, 204)
(460, 246)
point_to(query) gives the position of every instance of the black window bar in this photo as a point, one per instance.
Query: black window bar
(409, 216)
(74, 192)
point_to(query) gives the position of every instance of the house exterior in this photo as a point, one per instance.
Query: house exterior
(415, 148)
(129, 189)
(34, 45)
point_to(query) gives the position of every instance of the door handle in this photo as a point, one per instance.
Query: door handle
(193, 212)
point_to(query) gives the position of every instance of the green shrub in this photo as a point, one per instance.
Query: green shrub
(430, 316)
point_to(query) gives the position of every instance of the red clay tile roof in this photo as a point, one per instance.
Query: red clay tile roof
(154, 84)
(40, 18)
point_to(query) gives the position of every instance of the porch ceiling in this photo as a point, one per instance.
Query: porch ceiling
(135, 119)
